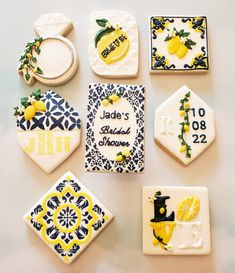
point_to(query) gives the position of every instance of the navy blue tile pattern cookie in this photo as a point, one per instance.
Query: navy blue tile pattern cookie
(95, 161)
(58, 115)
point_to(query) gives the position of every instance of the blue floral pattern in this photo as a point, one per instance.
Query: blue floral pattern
(95, 161)
(68, 217)
(58, 115)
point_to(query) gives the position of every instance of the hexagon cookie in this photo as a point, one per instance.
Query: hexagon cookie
(178, 44)
(113, 44)
(176, 221)
(184, 125)
(68, 217)
(48, 128)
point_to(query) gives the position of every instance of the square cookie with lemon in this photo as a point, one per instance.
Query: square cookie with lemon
(176, 221)
(178, 44)
(115, 128)
(113, 44)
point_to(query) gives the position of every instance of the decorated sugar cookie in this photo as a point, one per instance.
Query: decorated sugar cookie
(68, 217)
(178, 44)
(50, 59)
(176, 221)
(115, 128)
(48, 128)
(113, 44)
(184, 125)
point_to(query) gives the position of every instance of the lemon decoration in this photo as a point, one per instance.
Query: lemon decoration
(114, 97)
(105, 102)
(186, 128)
(182, 113)
(111, 42)
(30, 105)
(30, 112)
(40, 106)
(111, 99)
(173, 45)
(122, 156)
(179, 43)
(162, 210)
(187, 104)
(182, 148)
(188, 208)
(182, 51)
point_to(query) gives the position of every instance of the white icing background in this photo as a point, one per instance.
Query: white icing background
(118, 248)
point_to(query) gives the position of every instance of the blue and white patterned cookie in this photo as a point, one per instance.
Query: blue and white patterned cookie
(48, 128)
(115, 128)
(68, 217)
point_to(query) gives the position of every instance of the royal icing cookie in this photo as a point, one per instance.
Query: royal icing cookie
(184, 125)
(68, 217)
(176, 221)
(178, 44)
(115, 128)
(50, 59)
(48, 128)
(113, 44)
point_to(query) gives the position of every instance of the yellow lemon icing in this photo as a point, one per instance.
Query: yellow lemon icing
(113, 47)
(164, 231)
(188, 208)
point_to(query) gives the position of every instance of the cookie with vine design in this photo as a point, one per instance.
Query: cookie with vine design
(184, 125)
(51, 58)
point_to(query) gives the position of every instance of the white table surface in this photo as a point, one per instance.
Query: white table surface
(118, 247)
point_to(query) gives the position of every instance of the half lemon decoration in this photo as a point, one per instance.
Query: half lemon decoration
(188, 208)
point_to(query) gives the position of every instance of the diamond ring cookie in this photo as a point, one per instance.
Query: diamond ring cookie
(113, 44)
(184, 125)
(48, 128)
(115, 128)
(51, 58)
(178, 44)
(68, 217)
(176, 221)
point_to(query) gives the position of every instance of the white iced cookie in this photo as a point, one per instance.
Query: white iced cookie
(51, 59)
(68, 217)
(48, 128)
(184, 125)
(113, 44)
(115, 128)
(176, 221)
(178, 44)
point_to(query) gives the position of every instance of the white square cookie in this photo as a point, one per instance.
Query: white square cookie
(115, 128)
(113, 44)
(184, 125)
(176, 221)
(178, 44)
(68, 217)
